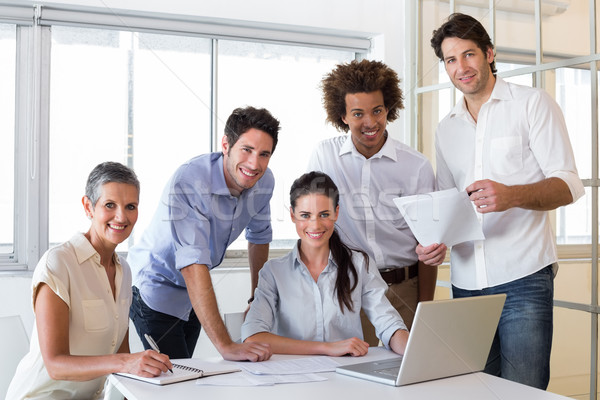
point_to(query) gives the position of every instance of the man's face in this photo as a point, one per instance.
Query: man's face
(467, 66)
(366, 116)
(246, 162)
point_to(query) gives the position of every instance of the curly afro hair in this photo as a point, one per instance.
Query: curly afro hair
(360, 77)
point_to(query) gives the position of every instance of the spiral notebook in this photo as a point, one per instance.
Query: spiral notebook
(184, 372)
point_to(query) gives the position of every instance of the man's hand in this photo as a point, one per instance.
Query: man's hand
(247, 351)
(432, 255)
(490, 196)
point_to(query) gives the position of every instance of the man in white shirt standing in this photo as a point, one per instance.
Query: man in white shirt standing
(370, 169)
(508, 147)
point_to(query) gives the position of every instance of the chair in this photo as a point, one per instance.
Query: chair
(14, 344)
(233, 323)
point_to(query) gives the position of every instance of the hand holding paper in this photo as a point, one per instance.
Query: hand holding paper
(445, 217)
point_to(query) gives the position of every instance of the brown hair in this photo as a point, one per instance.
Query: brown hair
(462, 26)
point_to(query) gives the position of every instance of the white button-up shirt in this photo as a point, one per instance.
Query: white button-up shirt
(369, 220)
(520, 137)
(97, 322)
(288, 302)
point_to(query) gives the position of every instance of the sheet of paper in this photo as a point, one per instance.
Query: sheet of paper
(247, 379)
(445, 216)
(305, 365)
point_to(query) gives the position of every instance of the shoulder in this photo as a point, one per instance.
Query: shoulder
(331, 144)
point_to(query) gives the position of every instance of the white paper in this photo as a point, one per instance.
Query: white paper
(247, 379)
(305, 365)
(445, 217)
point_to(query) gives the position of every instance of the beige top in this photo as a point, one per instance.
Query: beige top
(97, 324)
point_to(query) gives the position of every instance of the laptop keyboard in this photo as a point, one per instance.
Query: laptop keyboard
(392, 372)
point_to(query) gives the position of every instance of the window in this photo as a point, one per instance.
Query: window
(150, 92)
(7, 139)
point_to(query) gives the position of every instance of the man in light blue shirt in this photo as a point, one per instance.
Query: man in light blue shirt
(204, 207)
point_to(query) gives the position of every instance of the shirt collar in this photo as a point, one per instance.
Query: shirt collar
(386, 151)
(501, 91)
(218, 184)
(84, 249)
(298, 263)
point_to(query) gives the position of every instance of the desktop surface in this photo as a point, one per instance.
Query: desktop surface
(471, 386)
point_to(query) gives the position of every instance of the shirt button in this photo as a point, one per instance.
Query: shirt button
(116, 317)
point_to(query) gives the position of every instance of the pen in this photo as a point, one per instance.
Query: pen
(153, 344)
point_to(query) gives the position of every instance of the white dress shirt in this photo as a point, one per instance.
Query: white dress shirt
(520, 138)
(97, 323)
(369, 220)
(288, 302)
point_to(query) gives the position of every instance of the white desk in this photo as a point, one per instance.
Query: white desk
(478, 386)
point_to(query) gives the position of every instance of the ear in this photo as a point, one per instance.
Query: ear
(343, 117)
(225, 144)
(337, 212)
(292, 214)
(489, 54)
(87, 206)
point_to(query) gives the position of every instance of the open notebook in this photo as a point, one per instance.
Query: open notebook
(184, 370)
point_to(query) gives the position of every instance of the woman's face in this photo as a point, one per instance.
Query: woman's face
(314, 216)
(114, 214)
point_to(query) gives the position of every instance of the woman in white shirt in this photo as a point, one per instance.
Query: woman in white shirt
(309, 301)
(81, 293)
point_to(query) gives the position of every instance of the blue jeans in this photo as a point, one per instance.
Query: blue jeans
(175, 337)
(521, 348)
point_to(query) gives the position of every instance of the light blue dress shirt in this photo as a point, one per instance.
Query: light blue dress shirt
(196, 220)
(288, 302)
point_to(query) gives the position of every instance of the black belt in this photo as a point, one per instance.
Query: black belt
(399, 275)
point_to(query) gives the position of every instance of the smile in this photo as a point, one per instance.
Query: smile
(370, 133)
(466, 78)
(314, 235)
(248, 173)
(116, 227)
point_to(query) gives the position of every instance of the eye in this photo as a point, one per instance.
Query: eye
(377, 112)
(325, 215)
(110, 205)
(357, 115)
(131, 207)
(265, 155)
(304, 215)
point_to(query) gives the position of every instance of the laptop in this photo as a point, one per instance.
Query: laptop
(448, 338)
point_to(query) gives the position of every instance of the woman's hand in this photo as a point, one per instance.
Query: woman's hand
(353, 346)
(148, 363)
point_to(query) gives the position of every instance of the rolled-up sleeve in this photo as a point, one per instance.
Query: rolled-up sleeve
(261, 317)
(378, 308)
(549, 141)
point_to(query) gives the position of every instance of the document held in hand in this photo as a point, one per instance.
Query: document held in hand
(445, 217)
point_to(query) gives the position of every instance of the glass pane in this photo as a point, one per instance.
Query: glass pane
(292, 75)
(126, 97)
(565, 29)
(7, 137)
(431, 70)
(574, 222)
(573, 94)
(570, 359)
(434, 107)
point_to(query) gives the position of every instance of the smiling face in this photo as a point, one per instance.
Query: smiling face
(314, 217)
(468, 67)
(113, 216)
(246, 161)
(366, 117)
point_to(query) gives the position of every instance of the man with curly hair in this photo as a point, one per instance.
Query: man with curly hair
(370, 168)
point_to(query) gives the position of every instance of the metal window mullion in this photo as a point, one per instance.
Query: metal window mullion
(214, 71)
(594, 190)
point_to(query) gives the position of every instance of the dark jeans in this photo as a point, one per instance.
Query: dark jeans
(175, 337)
(521, 348)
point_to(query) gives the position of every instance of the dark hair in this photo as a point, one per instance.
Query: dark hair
(320, 183)
(243, 119)
(107, 172)
(462, 26)
(360, 77)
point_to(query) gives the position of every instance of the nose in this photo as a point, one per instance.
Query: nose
(252, 160)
